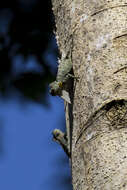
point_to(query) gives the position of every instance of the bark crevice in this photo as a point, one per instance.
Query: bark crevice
(115, 112)
(105, 9)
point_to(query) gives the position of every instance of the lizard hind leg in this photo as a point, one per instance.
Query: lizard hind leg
(61, 138)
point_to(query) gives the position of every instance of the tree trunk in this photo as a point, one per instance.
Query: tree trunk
(95, 31)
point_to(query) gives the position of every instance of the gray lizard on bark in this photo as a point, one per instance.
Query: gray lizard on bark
(60, 87)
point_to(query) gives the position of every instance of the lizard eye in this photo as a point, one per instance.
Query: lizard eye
(52, 92)
(60, 84)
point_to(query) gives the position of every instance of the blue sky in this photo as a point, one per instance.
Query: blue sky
(30, 160)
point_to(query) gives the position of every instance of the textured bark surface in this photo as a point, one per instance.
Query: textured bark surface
(95, 32)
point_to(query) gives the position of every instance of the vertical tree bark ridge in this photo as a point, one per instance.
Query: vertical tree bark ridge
(99, 52)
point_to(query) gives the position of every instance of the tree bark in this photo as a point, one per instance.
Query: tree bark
(95, 31)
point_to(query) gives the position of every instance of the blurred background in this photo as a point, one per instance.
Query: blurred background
(29, 159)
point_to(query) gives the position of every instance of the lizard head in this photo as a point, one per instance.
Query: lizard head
(55, 88)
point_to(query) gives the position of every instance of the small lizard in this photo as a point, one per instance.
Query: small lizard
(61, 87)
(58, 87)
